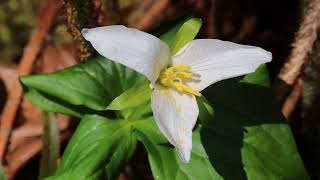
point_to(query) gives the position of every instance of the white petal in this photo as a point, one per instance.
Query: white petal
(176, 114)
(135, 49)
(213, 60)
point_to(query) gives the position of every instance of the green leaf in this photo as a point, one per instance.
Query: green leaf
(2, 174)
(138, 94)
(166, 32)
(206, 112)
(99, 148)
(51, 146)
(260, 77)
(81, 89)
(186, 33)
(52, 104)
(164, 160)
(140, 112)
(248, 138)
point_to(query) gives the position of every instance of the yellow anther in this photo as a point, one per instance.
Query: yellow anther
(180, 141)
(174, 77)
(184, 130)
(181, 67)
(179, 108)
(184, 74)
(188, 89)
(165, 90)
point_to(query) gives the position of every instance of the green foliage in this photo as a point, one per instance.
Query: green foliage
(82, 89)
(242, 135)
(186, 33)
(206, 112)
(260, 77)
(164, 161)
(178, 33)
(139, 94)
(97, 150)
(2, 174)
(51, 146)
(248, 138)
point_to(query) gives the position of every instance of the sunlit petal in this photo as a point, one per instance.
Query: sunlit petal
(212, 60)
(176, 114)
(135, 49)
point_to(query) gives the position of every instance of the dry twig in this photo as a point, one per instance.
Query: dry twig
(290, 103)
(23, 154)
(30, 117)
(152, 15)
(303, 43)
(29, 55)
(8, 74)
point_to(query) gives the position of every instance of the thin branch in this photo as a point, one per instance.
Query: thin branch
(292, 100)
(138, 13)
(18, 158)
(303, 43)
(152, 15)
(29, 55)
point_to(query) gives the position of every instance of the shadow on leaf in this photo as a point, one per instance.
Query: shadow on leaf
(237, 108)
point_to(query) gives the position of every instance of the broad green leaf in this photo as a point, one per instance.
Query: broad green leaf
(248, 138)
(167, 31)
(205, 110)
(76, 90)
(164, 160)
(52, 104)
(98, 149)
(51, 146)
(140, 112)
(260, 77)
(2, 174)
(186, 33)
(138, 94)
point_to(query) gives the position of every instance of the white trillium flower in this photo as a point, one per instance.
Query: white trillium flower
(176, 79)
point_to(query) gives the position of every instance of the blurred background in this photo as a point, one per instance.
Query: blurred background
(39, 36)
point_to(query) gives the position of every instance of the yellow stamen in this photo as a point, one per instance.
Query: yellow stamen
(184, 130)
(179, 108)
(180, 141)
(175, 76)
